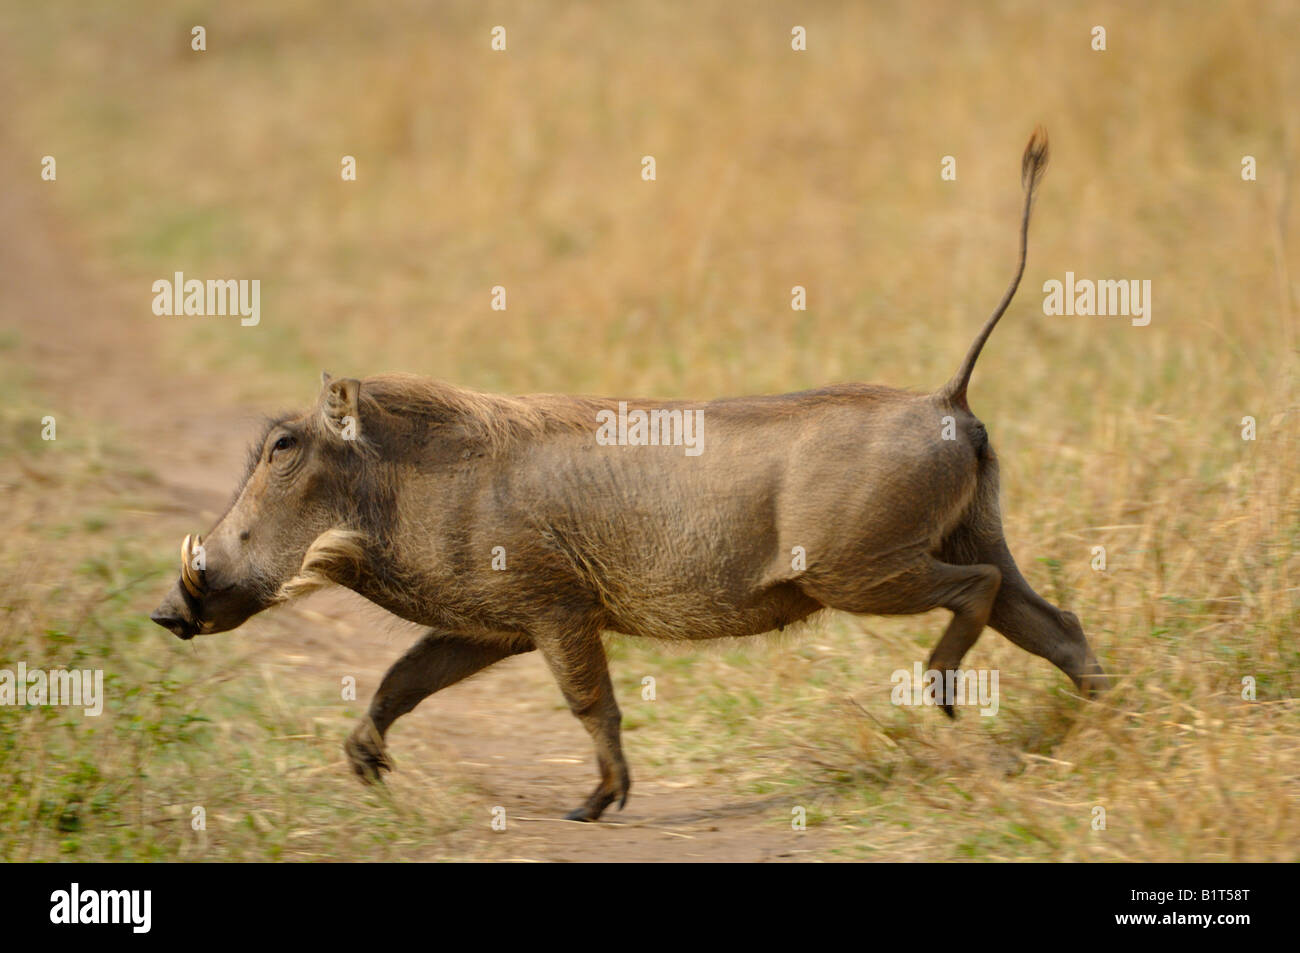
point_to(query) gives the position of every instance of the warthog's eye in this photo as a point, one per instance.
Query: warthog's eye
(284, 443)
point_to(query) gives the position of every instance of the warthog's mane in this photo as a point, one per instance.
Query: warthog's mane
(420, 406)
(498, 420)
(401, 410)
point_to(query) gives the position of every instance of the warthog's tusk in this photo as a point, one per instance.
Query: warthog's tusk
(188, 578)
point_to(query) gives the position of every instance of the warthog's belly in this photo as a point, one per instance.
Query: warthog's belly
(701, 615)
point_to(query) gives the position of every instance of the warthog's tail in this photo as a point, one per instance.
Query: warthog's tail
(1032, 167)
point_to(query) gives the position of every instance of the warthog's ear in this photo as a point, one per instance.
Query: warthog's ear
(339, 401)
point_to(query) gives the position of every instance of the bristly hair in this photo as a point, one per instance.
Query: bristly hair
(495, 420)
(334, 557)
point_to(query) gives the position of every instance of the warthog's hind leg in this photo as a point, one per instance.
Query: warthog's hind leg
(967, 591)
(1037, 626)
(577, 660)
(439, 659)
(1025, 617)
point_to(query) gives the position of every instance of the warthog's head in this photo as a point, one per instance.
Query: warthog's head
(291, 526)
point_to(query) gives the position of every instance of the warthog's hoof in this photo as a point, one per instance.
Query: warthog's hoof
(366, 755)
(599, 800)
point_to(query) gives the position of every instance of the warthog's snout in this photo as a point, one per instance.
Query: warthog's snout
(203, 601)
(179, 612)
(176, 614)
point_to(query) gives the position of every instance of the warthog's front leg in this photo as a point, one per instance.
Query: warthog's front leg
(969, 592)
(439, 659)
(577, 660)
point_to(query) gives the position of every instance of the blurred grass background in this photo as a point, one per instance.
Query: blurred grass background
(775, 169)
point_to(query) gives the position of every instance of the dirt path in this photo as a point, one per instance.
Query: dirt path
(506, 730)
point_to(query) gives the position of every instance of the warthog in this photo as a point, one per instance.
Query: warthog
(505, 526)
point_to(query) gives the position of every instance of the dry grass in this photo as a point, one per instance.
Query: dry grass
(776, 169)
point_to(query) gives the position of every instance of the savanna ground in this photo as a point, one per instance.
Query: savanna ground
(775, 169)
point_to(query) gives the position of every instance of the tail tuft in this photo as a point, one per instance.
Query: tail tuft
(1034, 163)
